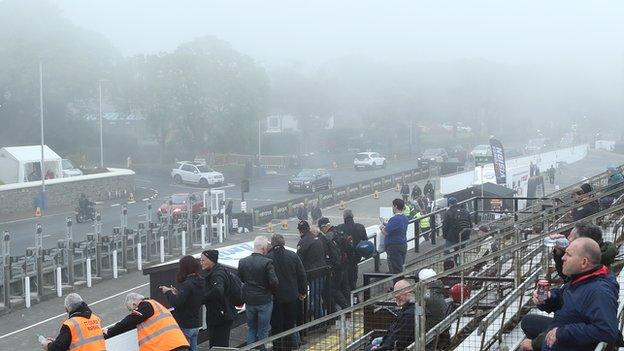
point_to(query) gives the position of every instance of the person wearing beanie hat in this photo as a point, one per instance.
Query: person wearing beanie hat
(587, 209)
(220, 311)
(357, 233)
(456, 226)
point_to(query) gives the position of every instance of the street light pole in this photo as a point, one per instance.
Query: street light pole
(101, 130)
(259, 143)
(41, 124)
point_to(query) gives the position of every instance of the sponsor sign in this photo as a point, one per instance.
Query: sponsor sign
(498, 158)
(340, 193)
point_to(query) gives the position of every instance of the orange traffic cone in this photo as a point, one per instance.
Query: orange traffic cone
(38, 212)
(376, 194)
(285, 224)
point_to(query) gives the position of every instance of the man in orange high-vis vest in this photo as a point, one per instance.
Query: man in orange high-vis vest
(157, 330)
(82, 331)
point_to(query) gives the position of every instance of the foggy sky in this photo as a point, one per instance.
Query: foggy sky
(587, 33)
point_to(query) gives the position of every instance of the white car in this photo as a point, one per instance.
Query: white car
(481, 151)
(369, 160)
(192, 173)
(69, 170)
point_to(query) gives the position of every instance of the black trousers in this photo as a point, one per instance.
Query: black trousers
(283, 318)
(534, 324)
(219, 335)
(352, 275)
(339, 288)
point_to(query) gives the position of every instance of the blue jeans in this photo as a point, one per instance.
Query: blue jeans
(258, 322)
(191, 336)
(317, 289)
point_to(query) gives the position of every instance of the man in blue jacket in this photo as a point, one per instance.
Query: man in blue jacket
(585, 308)
(395, 240)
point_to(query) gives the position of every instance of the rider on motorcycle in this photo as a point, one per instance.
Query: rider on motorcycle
(85, 205)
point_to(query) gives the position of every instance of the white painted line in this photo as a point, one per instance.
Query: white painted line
(115, 205)
(99, 202)
(36, 218)
(131, 202)
(146, 199)
(65, 314)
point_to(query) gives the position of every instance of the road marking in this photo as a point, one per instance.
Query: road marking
(115, 205)
(230, 185)
(65, 314)
(142, 180)
(36, 218)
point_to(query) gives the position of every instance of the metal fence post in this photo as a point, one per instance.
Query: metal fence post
(124, 237)
(98, 244)
(70, 252)
(39, 258)
(433, 229)
(6, 254)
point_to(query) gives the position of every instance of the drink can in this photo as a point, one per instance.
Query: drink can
(543, 287)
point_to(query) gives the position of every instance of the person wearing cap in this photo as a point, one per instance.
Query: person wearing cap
(395, 240)
(435, 307)
(587, 209)
(219, 310)
(357, 233)
(292, 289)
(81, 331)
(456, 226)
(336, 244)
(311, 251)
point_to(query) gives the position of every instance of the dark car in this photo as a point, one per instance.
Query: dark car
(310, 180)
(432, 157)
(177, 206)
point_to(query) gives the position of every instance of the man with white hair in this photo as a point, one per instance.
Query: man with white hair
(259, 283)
(400, 333)
(81, 331)
(157, 330)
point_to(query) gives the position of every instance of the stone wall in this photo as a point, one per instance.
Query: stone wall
(66, 191)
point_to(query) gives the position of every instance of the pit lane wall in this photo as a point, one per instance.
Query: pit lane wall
(60, 192)
(286, 209)
(517, 170)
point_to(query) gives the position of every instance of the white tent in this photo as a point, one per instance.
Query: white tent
(22, 164)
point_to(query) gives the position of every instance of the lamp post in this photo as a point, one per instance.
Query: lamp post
(101, 130)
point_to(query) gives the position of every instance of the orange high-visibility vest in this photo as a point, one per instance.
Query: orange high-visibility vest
(86, 333)
(160, 332)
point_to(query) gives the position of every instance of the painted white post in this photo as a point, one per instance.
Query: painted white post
(114, 264)
(220, 230)
(27, 291)
(88, 272)
(59, 286)
(139, 257)
(162, 249)
(184, 243)
(203, 236)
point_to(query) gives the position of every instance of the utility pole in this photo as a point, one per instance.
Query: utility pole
(101, 130)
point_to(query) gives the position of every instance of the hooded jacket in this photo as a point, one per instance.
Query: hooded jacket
(187, 302)
(435, 312)
(585, 311)
(63, 339)
(607, 249)
(456, 219)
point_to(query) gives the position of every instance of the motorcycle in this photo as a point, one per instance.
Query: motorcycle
(88, 214)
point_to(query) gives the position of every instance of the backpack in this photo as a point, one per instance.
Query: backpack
(234, 288)
(340, 247)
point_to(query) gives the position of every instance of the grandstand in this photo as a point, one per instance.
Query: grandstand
(500, 265)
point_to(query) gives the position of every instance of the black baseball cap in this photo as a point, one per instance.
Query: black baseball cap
(303, 226)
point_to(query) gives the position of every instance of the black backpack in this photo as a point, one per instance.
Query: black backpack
(234, 288)
(340, 247)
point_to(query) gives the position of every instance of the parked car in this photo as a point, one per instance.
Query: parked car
(369, 160)
(310, 180)
(69, 170)
(177, 206)
(194, 173)
(432, 157)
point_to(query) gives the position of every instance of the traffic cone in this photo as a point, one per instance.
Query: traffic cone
(342, 205)
(38, 212)
(376, 194)
(131, 197)
(284, 224)
(270, 227)
(398, 187)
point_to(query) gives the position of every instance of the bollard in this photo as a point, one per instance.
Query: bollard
(114, 264)
(203, 236)
(89, 272)
(98, 244)
(27, 291)
(139, 257)
(59, 283)
(6, 254)
(183, 246)
(70, 252)
(162, 249)
(220, 230)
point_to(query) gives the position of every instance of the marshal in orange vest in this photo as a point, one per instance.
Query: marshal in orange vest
(160, 332)
(86, 333)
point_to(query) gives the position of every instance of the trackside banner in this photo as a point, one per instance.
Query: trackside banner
(498, 158)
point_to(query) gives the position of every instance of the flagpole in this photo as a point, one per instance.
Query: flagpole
(42, 138)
